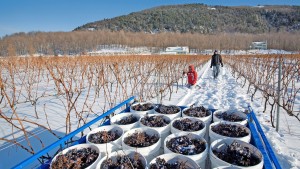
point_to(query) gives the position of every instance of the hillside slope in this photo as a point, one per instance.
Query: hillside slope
(204, 19)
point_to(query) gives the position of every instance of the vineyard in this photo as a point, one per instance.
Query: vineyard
(74, 90)
(260, 73)
(63, 93)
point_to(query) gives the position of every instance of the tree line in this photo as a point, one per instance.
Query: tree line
(81, 42)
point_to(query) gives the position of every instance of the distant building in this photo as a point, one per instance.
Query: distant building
(91, 29)
(259, 45)
(177, 50)
(210, 8)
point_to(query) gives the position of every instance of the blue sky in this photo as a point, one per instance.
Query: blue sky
(66, 15)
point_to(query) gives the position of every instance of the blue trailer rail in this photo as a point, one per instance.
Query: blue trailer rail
(62, 142)
(258, 139)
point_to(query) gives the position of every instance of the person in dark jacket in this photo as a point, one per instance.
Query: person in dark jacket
(216, 61)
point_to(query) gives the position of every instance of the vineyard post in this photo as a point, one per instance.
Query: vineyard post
(158, 88)
(278, 95)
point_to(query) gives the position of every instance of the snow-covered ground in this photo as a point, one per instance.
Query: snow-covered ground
(119, 50)
(256, 51)
(147, 51)
(226, 93)
(107, 50)
(222, 93)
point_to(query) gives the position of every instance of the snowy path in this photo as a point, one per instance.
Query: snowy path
(226, 93)
(220, 93)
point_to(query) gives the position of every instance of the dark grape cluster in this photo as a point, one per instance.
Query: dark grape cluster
(127, 120)
(162, 164)
(186, 146)
(229, 117)
(143, 107)
(104, 136)
(123, 162)
(197, 112)
(230, 130)
(186, 124)
(154, 121)
(237, 154)
(75, 158)
(141, 139)
(167, 109)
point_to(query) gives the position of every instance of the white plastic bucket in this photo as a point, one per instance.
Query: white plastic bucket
(223, 144)
(201, 132)
(151, 111)
(177, 158)
(116, 118)
(206, 119)
(110, 146)
(130, 154)
(78, 147)
(149, 152)
(215, 136)
(200, 159)
(163, 131)
(171, 116)
(231, 111)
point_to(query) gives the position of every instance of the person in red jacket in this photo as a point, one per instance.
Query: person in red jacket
(192, 76)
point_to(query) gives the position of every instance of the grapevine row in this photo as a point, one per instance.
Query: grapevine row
(260, 73)
(81, 87)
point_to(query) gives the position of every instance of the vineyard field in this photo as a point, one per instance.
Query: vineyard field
(43, 99)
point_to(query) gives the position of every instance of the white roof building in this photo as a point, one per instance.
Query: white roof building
(259, 45)
(177, 50)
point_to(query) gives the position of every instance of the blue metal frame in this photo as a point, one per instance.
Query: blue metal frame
(261, 142)
(62, 141)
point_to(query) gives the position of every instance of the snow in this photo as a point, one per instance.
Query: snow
(119, 50)
(222, 93)
(226, 93)
(256, 51)
(107, 50)
(211, 8)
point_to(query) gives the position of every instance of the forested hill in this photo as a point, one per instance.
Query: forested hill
(204, 19)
